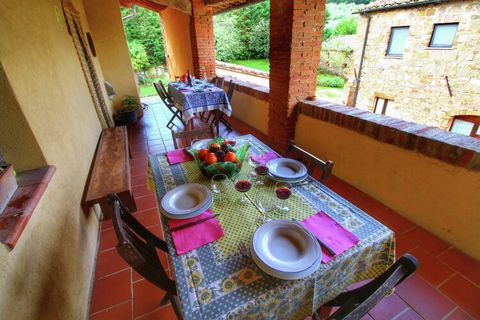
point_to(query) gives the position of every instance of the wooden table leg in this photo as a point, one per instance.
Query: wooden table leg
(217, 120)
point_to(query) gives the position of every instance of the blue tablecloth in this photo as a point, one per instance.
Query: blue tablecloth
(201, 97)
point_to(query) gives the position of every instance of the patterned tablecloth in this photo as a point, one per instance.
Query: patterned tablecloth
(217, 282)
(200, 98)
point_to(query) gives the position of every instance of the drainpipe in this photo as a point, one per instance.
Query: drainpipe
(131, 15)
(357, 87)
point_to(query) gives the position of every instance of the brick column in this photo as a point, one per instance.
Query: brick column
(296, 29)
(203, 41)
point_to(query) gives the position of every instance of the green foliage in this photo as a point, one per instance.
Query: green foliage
(243, 33)
(350, 1)
(328, 80)
(346, 26)
(144, 29)
(259, 64)
(138, 55)
(328, 32)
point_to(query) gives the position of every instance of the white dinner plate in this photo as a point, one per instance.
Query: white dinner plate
(189, 215)
(201, 144)
(186, 200)
(285, 275)
(285, 168)
(274, 178)
(285, 246)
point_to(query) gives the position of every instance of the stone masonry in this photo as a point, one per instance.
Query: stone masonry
(416, 82)
(296, 28)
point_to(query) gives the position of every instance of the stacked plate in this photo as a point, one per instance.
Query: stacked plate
(285, 250)
(287, 170)
(186, 201)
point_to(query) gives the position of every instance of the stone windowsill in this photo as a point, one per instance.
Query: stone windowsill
(446, 146)
(440, 48)
(31, 186)
(393, 57)
(254, 90)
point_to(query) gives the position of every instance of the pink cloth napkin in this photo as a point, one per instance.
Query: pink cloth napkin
(178, 156)
(194, 237)
(264, 158)
(329, 231)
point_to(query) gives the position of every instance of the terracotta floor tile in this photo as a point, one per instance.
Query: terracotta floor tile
(141, 190)
(107, 224)
(394, 220)
(431, 269)
(389, 307)
(459, 314)
(110, 291)
(109, 262)
(409, 314)
(427, 240)
(119, 312)
(146, 297)
(139, 171)
(423, 298)
(403, 245)
(148, 218)
(464, 264)
(165, 313)
(146, 202)
(108, 240)
(139, 180)
(464, 293)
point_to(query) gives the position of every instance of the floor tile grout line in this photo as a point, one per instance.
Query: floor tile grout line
(108, 308)
(155, 310)
(112, 274)
(450, 313)
(442, 252)
(404, 311)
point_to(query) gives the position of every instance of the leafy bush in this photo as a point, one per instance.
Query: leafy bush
(228, 45)
(328, 32)
(138, 55)
(347, 26)
(328, 80)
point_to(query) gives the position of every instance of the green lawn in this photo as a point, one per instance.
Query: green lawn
(147, 90)
(259, 64)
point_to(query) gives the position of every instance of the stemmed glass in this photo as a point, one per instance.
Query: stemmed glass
(261, 171)
(265, 205)
(283, 191)
(219, 184)
(243, 185)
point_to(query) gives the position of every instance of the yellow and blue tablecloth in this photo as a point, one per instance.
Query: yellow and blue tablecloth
(217, 282)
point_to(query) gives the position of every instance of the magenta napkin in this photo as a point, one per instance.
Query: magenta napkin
(264, 158)
(329, 231)
(178, 156)
(191, 238)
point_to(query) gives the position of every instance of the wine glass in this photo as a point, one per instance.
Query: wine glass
(219, 184)
(283, 191)
(243, 185)
(265, 205)
(261, 170)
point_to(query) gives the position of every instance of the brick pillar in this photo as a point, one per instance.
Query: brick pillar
(203, 41)
(296, 30)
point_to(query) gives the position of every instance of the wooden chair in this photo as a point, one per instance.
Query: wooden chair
(138, 247)
(221, 117)
(167, 100)
(218, 82)
(355, 303)
(310, 160)
(184, 139)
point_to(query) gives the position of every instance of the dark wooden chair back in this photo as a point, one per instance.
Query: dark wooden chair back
(230, 90)
(310, 161)
(162, 92)
(218, 81)
(184, 139)
(356, 303)
(138, 247)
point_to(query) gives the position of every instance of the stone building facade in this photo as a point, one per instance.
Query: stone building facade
(426, 85)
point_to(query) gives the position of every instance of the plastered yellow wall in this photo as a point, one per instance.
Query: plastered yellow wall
(437, 196)
(48, 274)
(108, 35)
(176, 36)
(250, 110)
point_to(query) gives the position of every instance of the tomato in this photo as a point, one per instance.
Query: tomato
(211, 158)
(230, 156)
(202, 154)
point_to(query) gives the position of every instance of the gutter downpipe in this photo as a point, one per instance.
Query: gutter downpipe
(357, 87)
(131, 15)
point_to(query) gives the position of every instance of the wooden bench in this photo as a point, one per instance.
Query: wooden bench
(110, 171)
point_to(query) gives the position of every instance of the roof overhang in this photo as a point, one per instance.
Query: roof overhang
(400, 6)
(222, 6)
(184, 6)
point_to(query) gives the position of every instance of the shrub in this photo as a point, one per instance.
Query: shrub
(328, 80)
(328, 32)
(347, 26)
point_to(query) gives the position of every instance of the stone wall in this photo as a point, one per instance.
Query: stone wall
(416, 82)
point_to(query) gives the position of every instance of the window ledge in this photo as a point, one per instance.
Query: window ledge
(254, 90)
(440, 48)
(31, 186)
(453, 148)
(394, 57)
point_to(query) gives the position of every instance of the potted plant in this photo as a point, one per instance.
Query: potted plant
(129, 110)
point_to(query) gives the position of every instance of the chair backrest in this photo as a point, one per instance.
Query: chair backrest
(310, 161)
(230, 90)
(137, 246)
(356, 303)
(218, 82)
(162, 92)
(184, 139)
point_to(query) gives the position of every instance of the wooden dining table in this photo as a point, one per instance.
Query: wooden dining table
(217, 281)
(202, 96)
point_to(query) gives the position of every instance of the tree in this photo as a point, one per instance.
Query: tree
(139, 57)
(145, 29)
